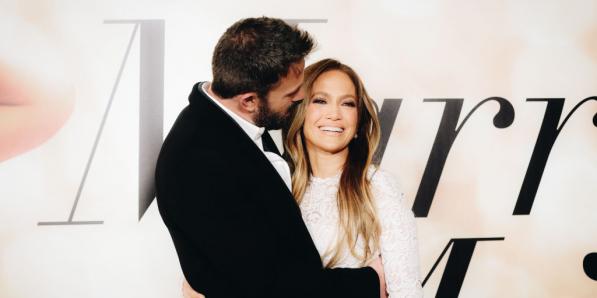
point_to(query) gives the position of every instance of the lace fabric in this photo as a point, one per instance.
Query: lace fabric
(398, 241)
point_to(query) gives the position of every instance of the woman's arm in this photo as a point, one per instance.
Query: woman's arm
(399, 249)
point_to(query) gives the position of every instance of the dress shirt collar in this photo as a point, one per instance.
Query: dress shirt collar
(253, 131)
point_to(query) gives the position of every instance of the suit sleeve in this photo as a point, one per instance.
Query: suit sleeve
(215, 227)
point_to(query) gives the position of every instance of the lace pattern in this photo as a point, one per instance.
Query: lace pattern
(398, 236)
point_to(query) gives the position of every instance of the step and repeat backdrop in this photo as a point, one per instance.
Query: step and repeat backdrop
(488, 110)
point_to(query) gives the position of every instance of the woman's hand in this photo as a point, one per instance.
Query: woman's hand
(188, 292)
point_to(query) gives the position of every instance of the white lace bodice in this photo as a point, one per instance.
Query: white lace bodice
(398, 231)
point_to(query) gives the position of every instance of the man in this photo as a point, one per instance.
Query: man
(223, 190)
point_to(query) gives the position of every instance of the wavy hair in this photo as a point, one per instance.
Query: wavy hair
(357, 216)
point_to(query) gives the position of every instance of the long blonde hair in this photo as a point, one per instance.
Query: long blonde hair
(357, 215)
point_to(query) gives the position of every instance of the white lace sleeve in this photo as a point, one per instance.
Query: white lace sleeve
(399, 249)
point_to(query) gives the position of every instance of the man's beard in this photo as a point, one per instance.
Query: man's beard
(272, 120)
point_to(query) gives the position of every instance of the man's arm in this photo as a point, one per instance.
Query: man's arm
(209, 218)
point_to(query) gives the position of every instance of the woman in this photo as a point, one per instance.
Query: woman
(353, 211)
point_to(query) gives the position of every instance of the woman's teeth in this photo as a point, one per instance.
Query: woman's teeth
(331, 128)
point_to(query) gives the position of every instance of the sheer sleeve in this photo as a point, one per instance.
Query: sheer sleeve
(399, 249)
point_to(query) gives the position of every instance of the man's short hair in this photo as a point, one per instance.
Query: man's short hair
(254, 53)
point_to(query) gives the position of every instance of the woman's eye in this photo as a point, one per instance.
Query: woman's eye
(318, 100)
(350, 104)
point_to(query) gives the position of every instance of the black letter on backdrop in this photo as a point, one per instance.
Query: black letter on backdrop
(590, 265)
(151, 95)
(387, 117)
(547, 137)
(446, 134)
(457, 265)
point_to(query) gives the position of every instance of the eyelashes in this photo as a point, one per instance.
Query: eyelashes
(348, 103)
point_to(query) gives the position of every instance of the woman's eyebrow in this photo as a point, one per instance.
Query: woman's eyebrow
(321, 93)
(327, 95)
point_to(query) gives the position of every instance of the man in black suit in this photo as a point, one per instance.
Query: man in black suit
(222, 188)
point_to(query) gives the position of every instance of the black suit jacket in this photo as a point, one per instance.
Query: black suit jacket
(236, 227)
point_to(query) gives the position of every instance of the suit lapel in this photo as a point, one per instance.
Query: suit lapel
(232, 139)
(266, 186)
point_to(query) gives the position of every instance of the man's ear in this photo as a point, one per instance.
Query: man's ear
(248, 102)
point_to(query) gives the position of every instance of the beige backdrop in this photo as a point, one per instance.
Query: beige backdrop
(59, 62)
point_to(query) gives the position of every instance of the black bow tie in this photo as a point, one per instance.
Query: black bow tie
(268, 143)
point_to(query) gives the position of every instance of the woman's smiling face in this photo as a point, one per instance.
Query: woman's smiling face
(331, 116)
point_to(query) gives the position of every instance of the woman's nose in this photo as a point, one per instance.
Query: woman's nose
(333, 112)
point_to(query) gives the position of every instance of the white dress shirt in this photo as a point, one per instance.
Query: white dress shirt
(254, 132)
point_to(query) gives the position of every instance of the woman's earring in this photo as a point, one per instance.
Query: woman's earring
(355, 136)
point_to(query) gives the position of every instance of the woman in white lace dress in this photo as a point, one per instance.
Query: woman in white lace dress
(353, 211)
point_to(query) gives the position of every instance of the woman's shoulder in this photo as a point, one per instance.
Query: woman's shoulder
(389, 198)
(382, 178)
(384, 185)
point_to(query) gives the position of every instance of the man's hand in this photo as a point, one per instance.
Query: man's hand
(188, 292)
(377, 265)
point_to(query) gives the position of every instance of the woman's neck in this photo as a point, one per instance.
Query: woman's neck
(325, 164)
